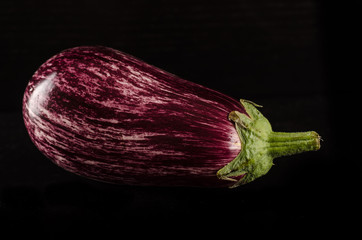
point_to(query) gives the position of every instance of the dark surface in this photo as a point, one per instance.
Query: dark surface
(299, 59)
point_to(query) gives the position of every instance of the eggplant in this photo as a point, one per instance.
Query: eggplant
(108, 116)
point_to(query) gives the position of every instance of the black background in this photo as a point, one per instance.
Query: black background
(299, 59)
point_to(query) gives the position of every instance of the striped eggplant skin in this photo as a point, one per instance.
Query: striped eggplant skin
(108, 116)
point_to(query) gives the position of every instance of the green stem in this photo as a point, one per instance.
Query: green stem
(260, 145)
(284, 144)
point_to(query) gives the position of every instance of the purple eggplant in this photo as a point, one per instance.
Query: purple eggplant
(108, 116)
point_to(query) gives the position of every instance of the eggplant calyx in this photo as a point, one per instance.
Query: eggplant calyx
(260, 145)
